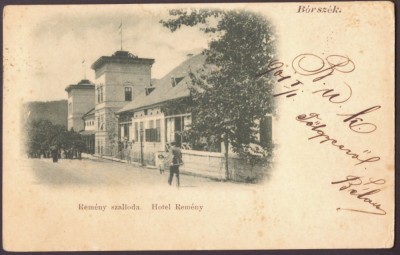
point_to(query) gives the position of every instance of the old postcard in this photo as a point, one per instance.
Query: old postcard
(198, 127)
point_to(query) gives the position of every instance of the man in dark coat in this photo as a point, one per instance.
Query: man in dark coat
(54, 153)
(176, 161)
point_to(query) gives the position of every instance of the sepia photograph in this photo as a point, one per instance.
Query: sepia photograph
(203, 111)
(198, 126)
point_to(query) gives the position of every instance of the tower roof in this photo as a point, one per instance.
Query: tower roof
(121, 57)
(83, 84)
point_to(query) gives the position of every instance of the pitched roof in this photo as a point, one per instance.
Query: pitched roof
(164, 90)
(83, 84)
(120, 57)
(89, 113)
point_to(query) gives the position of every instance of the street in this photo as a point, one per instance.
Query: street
(47, 202)
(96, 171)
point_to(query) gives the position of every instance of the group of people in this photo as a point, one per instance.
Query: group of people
(71, 154)
(55, 153)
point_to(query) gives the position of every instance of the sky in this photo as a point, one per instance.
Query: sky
(46, 46)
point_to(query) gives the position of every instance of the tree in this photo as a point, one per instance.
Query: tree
(229, 95)
(42, 134)
(37, 136)
(112, 132)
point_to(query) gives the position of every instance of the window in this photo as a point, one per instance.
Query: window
(176, 129)
(102, 122)
(99, 146)
(128, 93)
(149, 90)
(100, 97)
(175, 81)
(153, 133)
(126, 131)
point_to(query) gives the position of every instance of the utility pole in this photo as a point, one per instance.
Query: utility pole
(120, 32)
(141, 147)
(84, 69)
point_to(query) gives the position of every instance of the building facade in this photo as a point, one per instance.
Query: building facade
(148, 127)
(89, 131)
(125, 116)
(145, 125)
(120, 78)
(81, 98)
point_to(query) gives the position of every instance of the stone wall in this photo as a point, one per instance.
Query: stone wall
(243, 171)
(206, 164)
(212, 165)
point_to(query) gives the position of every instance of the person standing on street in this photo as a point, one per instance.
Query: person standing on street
(54, 153)
(176, 161)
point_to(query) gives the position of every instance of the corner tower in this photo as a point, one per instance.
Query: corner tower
(120, 78)
(80, 101)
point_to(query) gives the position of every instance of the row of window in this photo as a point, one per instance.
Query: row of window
(173, 132)
(89, 123)
(175, 126)
(151, 134)
(100, 94)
